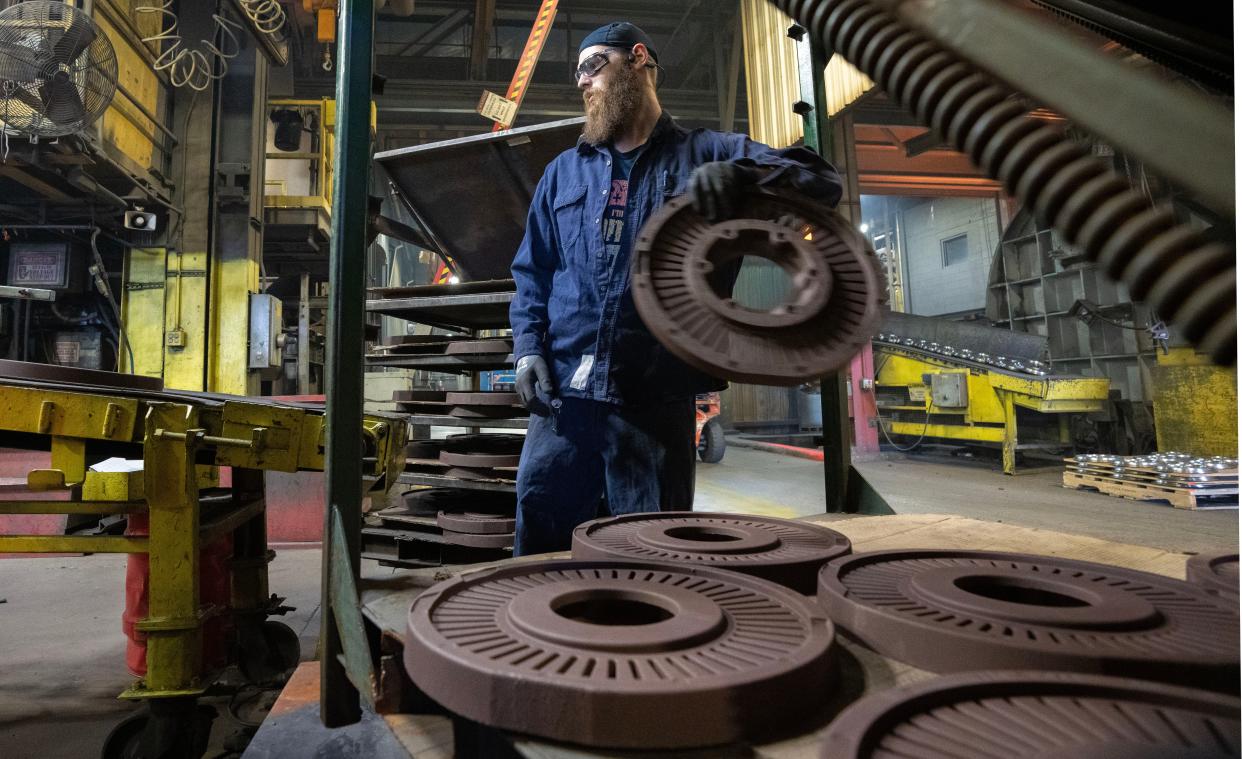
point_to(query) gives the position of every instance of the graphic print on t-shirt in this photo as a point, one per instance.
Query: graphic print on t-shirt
(614, 216)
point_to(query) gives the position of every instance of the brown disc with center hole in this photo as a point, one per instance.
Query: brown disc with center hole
(620, 654)
(476, 347)
(423, 449)
(1216, 573)
(950, 611)
(476, 523)
(485, 443)
(431, 501)
(479, 460)
(1036, 715)
(482, 399)
(418, 396)
(781, 550)
(684, 271)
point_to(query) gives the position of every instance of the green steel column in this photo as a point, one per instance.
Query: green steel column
(812, 59)
(338, 695)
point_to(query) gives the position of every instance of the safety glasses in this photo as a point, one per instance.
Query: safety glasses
(591, 65)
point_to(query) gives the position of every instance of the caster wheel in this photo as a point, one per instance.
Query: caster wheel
(124, 741)
(163, 731)
(276, 658)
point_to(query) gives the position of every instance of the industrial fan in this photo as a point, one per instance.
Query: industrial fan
(57, 69)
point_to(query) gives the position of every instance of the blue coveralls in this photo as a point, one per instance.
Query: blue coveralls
(626, 427)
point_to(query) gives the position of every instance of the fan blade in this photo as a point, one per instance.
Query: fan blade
(62, 105)
(28, 99)
(70, 44)
(18, 63)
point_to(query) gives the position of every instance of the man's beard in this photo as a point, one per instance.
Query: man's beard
(609, 109)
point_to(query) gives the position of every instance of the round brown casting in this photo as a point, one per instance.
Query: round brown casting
(950, 611)
(621, 654)
(683, 275)
(478, 347)
(485, 443)
(1037, 715)
(781, 550)
(432, 501)
(1215, 573)
(476, 523)
(478, 460)
(475, 540)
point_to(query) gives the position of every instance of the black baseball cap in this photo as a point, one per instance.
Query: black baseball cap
(621, 34)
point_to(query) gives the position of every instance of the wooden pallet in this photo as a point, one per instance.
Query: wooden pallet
(1182, 498)
(1163, 479)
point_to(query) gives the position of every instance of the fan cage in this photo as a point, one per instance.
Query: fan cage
(58, 70)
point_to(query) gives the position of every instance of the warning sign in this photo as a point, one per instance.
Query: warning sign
(502, 110)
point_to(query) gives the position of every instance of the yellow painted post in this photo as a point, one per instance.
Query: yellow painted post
(173, 627)
(69, 456)
(1195, 404)
(142, 310)
(185, 321)
(234, 276)
(1010, 446)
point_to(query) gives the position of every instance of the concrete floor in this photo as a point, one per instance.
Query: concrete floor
(63, 650)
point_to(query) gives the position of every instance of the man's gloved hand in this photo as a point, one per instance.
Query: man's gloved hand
(532, 371)
(715, 188)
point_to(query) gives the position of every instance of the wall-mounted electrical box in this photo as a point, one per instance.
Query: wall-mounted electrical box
(266, 328)
(949, 389)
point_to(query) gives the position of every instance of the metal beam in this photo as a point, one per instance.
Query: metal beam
(484, 15)
(817, 135)
(338, 697)
(436, 34)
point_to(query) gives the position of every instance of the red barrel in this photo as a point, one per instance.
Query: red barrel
(213, 590)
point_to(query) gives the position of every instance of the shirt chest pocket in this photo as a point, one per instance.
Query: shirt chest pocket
(673, 182)
(569, 212)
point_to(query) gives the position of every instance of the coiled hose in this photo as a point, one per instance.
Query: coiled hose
(1187, 277)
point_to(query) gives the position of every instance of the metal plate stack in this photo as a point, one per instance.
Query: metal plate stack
(443, 354)
(1185, 481)
(451, 524)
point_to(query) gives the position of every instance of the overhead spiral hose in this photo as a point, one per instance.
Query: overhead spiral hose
(1185, 275)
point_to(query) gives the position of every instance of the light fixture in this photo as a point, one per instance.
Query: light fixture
(863, 228)
(454, 279)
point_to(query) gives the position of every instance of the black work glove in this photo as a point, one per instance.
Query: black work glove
(532, 373)
(716, 188)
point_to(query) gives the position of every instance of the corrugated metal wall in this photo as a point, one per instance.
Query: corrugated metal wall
(772, 76)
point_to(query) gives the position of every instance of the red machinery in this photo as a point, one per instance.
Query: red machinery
(709, 436)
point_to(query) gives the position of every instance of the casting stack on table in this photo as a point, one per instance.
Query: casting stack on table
(449, 523)
(462, 511)
(1185, 481)
(729, 623)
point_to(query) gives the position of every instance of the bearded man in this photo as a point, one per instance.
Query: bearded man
(612, 411)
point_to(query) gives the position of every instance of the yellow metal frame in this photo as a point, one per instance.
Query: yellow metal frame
(992, 399)
(322, 200)
(174, 436)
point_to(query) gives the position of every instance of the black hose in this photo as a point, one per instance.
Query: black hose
(1179, 270)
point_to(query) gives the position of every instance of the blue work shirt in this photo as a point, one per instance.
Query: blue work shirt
(573, 304)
